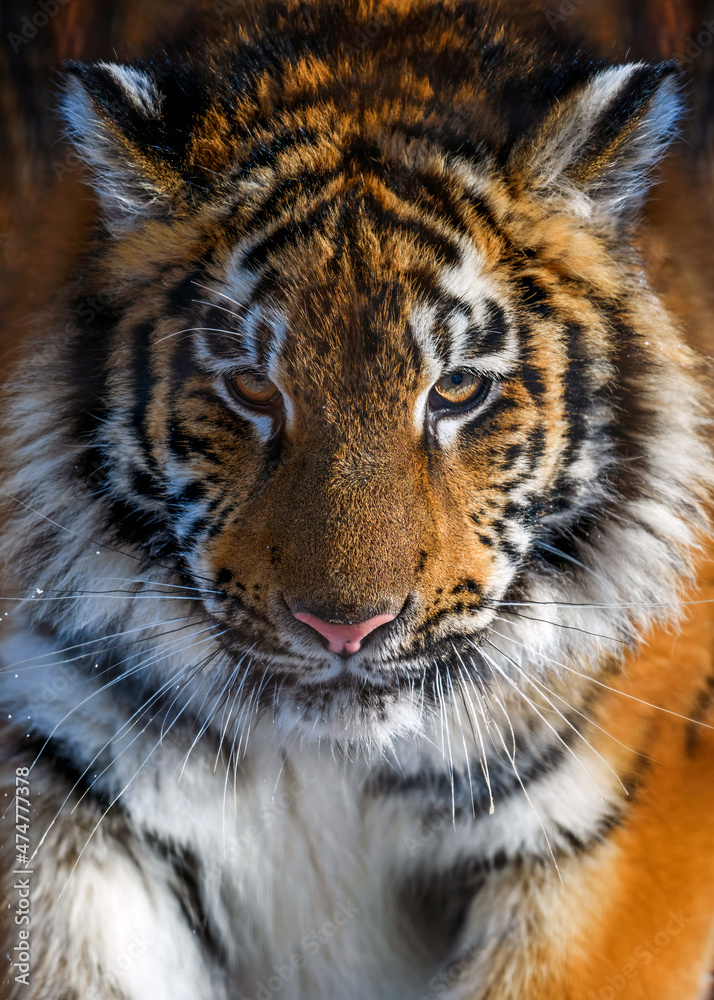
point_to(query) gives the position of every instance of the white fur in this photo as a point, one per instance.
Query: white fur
(127, 194)
(620, 187)
(294, 843)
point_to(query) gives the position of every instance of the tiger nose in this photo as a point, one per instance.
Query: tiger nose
(343, 638)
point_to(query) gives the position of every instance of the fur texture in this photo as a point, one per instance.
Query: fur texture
(227, 808)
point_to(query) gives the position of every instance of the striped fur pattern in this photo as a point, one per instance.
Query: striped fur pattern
(350, 203)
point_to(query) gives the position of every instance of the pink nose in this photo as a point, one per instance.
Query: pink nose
(347, 638)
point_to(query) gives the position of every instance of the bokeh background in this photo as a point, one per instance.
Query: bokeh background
(46, 210)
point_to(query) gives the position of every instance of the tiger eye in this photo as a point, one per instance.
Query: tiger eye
(457, 388)
(254, 387)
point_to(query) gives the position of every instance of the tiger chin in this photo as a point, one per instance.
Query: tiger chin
(355, 533)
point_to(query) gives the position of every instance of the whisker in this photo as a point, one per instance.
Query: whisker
(202, 329)
(126, 727)
(93, 676)
(225, 309)
(232, 760)
(105, 687)
(441, 718)
(116, 590)
(28, 663)
(227, 688)
(512, 761)
(215, 291)
(113, 802)
(160, 583)
(114, 594)
(146, 706)
(558, 736)
(574, 628)
(577, 604)
(209, 718)
(590, 721)
(473, 718)
(181, 687)
(214, 653)
(467, 756)
(607, 687)
(445, 730)
(256, 698)
(576, 562)
(85, 538)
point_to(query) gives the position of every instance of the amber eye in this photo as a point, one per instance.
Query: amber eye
(254, 387)
(458, 389)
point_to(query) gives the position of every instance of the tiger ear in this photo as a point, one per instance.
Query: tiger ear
(114, 114)
(597, 147)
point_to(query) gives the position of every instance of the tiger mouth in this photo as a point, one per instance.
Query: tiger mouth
(397, 645)
(295, 670)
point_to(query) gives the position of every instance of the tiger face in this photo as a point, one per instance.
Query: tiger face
(380, 375)
(391, 450)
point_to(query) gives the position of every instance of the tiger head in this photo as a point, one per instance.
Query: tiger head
(365, 363)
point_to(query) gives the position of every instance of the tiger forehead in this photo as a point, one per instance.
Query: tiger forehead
(317, 105)
(377, 327)
(352, 276)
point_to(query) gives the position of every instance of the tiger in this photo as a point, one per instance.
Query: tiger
(356, 546)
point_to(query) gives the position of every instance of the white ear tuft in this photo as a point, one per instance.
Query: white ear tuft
(137, 86)
(596, 148)
(113, 116)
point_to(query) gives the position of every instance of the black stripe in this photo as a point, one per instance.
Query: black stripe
(485, 214)
(434, 786)
(492, 338)
(266, 154)
(426, 236)
(699, 712)
(134, 525)
(283, 197)
(292, 232)
(59, 755)
(530, 373)
(534, 296)
(188, 877)
(183, 295)
(87, 371)
(435, 903)
(432, 196)
(577, 393)
(143, 384)
(188, 493)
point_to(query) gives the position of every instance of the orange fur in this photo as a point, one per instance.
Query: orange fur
(635, 919)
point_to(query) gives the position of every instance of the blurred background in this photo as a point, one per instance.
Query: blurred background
(45, 209)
